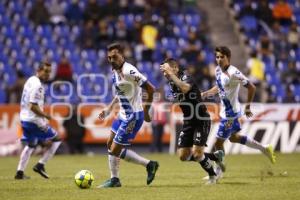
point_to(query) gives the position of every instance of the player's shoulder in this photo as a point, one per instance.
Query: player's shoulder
(34, 81)
(129, 69)
(233, 70)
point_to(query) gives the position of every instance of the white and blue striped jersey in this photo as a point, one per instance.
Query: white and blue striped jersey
(33, 92)
(228, 88)
(128, 84)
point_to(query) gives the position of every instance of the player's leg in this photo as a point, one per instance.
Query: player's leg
(30, 142)
(113, 161)
(127, 131)
(24, 158)
(249, 142)
(51, 139)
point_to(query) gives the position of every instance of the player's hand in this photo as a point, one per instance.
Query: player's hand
(103, 114)
(166, 69)
(248, 111)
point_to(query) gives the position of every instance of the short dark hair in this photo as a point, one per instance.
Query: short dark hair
(117, 46)
(43, 63)
(171, 61)
(223, 50)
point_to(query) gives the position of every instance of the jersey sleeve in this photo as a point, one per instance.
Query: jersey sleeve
(135, 76)
(36, 94)
(240, 77)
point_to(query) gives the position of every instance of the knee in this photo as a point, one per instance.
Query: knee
(198, 155)
(108, 144)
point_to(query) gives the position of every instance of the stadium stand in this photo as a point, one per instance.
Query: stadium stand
(277, 41)
(25, 41)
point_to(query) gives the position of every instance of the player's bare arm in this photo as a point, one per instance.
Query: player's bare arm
(105, 112)
(251, 92)
(211, 92)
(36, 109)
(149, 88)
(170, 74)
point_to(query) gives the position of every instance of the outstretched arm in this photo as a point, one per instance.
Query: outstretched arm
(150, 91)
(105, 112)
(211, 92)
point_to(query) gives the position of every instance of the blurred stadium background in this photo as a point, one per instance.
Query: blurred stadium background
(72, 35)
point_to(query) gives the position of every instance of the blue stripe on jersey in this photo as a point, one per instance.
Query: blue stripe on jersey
(126, 106)
(228, 107)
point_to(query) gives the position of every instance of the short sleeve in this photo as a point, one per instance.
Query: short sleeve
(36, 94)
(187, 79)
(240, 77)
(134, 75)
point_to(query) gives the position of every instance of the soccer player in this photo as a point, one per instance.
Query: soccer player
(196, 123)
(34, 123)
(128, 82)
(228, 80)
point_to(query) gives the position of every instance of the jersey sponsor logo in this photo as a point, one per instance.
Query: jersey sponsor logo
(132, 72)
(137, 79)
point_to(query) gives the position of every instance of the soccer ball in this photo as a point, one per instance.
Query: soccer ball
(84, 179)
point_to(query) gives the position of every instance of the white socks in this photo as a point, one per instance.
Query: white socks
(50, 152)
(255, 145)
(131, 156)
(114, 163)
(24, 158)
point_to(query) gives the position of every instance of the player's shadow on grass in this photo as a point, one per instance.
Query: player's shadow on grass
(234, 183)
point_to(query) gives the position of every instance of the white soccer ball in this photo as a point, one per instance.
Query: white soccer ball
(84, 179)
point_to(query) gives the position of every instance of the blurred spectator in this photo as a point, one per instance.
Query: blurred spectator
(64, 70)
(293, 36)
(92, 11)
(120, 32)
(110, 9)
(264, 13)
(14, 92)
(159, 120)
(291, 75)
(104, 34)
(247, 10)
(149, 39)
(39, 14)
(265, 48)
(75, 132)
(193, 46)
(282, 12)
(74, 13)
(56, 10)
(289, 98)
(257, 76)
(88, 35)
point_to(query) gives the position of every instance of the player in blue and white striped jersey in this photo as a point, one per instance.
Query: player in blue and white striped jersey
(228, 81)
(128, 83)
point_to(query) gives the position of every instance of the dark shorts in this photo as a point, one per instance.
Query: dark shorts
(194, 133)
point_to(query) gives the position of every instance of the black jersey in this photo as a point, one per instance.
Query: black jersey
(190, 103)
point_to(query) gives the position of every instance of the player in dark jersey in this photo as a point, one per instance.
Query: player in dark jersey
(196, 122)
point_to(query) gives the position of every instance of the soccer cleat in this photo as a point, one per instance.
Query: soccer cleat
(218, 171)
(39, 168)
(221, 159)
(152, 167)
(212, 180)
(269, 152)
(113, 182)
(20, 175)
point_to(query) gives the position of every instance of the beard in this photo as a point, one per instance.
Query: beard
(116, 65)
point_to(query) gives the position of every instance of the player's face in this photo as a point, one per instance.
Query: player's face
(221, 59)
(44, 73)
(115, 58)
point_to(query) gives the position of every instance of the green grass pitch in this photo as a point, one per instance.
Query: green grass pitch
(247, 177)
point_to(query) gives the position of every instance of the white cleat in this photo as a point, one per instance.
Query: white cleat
(212, 180)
